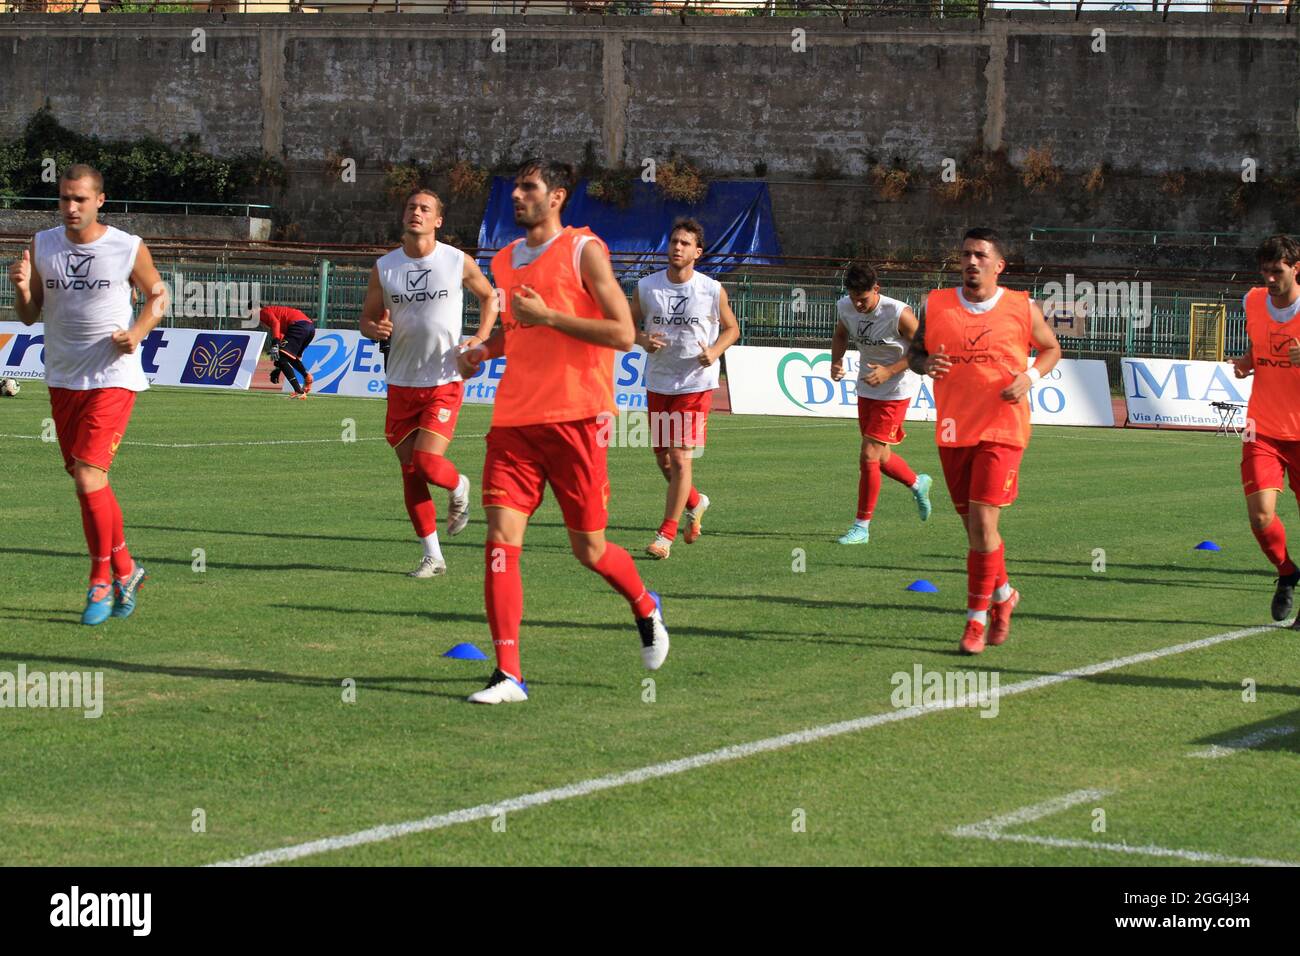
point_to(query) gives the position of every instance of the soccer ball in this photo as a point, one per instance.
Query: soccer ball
(8, 387)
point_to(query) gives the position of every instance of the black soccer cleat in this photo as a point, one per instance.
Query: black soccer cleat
(1284, 596)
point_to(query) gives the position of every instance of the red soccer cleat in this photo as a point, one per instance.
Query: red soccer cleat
(306, 385)
(972, 639)
(1000, 618)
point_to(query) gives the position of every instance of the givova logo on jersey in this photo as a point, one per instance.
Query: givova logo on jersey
(214, 359)
(676, 313)
(417, 288)
(76, 274)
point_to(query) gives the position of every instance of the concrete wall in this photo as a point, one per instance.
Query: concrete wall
(1199, 93)
(148, 225)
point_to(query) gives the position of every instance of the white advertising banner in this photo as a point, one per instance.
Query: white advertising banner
(1175, 393)
(777, 381)
(343, 362)
(186, 357)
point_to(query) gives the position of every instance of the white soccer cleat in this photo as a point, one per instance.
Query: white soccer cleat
(659, 547)
(501, 689)
(430, 567)
(654, 636)
(458, 510)
(693, 518)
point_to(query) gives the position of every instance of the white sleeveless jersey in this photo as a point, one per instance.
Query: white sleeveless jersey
(687, 315)
(87, 290)
(875, 336)
(425, 300)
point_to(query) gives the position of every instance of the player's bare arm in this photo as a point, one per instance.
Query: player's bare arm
(728, 334)
(1293, 354)
(488, 307)
(29, 295)
(144, 277)
(1244, 367)
(614, 331)
(880, 374)
(651, 343)
(1049, 353)
(468, 361)
(375, 323)
(839, 345)
(921, 361)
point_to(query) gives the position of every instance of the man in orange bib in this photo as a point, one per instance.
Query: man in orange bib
(974, 341)
(1270, 450)
(563, 313)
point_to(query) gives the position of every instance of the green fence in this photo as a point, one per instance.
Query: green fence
(773, 309)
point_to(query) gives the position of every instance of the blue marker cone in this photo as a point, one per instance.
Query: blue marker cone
(1207, 545)
(924, 586)
(466, 652)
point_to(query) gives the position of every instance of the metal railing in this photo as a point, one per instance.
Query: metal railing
(150, 205)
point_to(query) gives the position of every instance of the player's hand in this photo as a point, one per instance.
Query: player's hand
(837, 370)
(1294, 353)
(654, 342)
(384, 326)
(125, 341)
(468, 361)
(1018, 388)
(707, 358)
(529, 308)
(937, 364)
(879, 375)
(20, 273)
(1241, 367)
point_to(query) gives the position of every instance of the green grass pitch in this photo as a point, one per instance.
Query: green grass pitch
(224, 692)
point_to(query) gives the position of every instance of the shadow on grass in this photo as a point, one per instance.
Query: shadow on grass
(375, 683)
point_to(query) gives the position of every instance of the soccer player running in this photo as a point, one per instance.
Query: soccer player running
(881, 329)
(974, 341)
(291, 331)
(1271, 449)
(78, 279)
(414, 302)
(688, 324)
(563, 314)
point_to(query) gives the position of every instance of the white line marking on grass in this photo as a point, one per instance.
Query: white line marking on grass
(994, 826)
(1230, 747)
(722, 755)
(992, 829)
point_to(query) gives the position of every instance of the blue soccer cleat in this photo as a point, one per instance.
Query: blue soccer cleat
(922, 495)
(124, 591)
(855, 535)
(99, 604)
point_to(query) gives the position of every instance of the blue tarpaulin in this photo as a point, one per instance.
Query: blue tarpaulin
(737, 218)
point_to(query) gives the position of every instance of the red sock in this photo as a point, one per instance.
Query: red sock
(1001, 578)
(435, 469)
(123, 563)
(868, 489)
(1272, 541)
(668, 530)
(617, 567)
(419, 504)
(503, 596)
(897, 468)
(693, 498)
(981, 572)
(97, 523)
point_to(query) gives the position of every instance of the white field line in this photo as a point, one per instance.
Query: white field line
(992, 829)
(722, 755)
(1230, 747)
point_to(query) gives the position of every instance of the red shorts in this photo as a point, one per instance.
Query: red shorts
(90, 423)
(434, 409)
(987, 473)
(522, 459)
(679, 421)
(882, 419)
(1265, 462)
